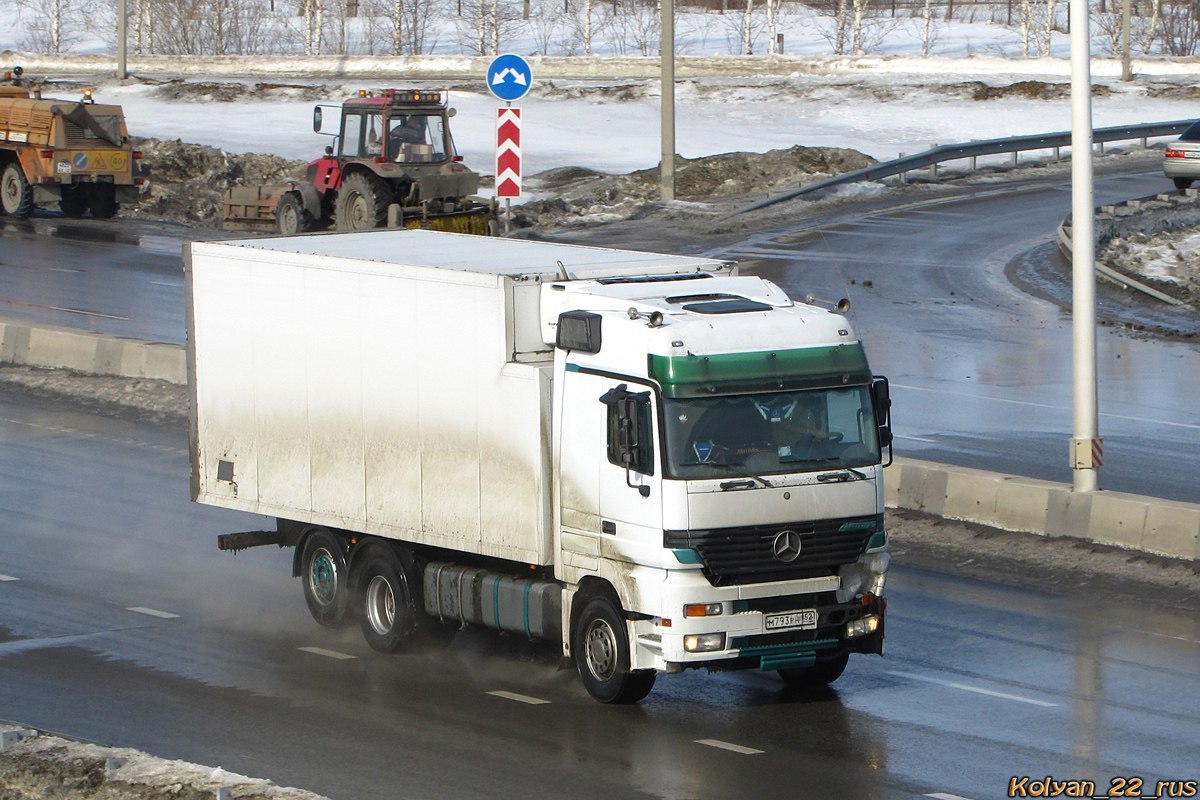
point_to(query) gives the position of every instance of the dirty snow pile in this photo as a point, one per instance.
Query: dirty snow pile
(1168, 260)
(48, 766)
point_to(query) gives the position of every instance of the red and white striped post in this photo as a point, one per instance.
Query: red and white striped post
(508, 158)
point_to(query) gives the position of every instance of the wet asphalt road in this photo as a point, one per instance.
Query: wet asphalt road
(981, 371)
(980, 684)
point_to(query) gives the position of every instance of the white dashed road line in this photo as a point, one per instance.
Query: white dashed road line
(976, 689)
(321, 651)
(8, 578)
(735, 748)
(520, 698)
(153, 612)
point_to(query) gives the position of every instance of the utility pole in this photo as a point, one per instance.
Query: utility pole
(667, 57)
(122, 19)
(1126, 65)
(1085, 444)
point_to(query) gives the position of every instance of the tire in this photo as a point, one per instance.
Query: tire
(1183, 183)
(326, 579)
(102, 200)
(601, 651)
(73, 202)
(822, 673)
(362, 202)
(388, 609)
(291, 217)
(16, 195)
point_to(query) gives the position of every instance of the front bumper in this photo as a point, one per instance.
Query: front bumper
(748, 644)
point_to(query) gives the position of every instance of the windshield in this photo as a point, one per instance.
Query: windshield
(769, 434)
(416, 138)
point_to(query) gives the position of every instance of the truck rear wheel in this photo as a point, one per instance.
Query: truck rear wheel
(820, 674)
(323, 570)
(73, 202)
(389, 612)
(103, 201)
(601, 649)
(16, 195)
(362, 202)
(291, 217)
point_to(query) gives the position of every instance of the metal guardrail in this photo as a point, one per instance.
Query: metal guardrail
(1066, 246)
(986, 147)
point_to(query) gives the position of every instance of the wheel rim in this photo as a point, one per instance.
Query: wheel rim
(12, 192)
(357, 208)
(381, 605)
(600, 649)
(288, 219)
(323, 577)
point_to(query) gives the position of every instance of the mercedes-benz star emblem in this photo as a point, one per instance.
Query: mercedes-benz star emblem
(786, 546)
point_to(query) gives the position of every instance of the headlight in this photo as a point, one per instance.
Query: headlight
(859, 627)
(704, 642)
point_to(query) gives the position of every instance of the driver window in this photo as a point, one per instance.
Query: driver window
(352, 135)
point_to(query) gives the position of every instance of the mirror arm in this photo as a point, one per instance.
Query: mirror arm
(642, 488)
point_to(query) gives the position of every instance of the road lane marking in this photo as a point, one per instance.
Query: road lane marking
(8, 578)
(976, 689)
(520, 698)
(321, 651)
(1147, 633)
(945, 796)
(153, 612)
(914, 438)
(735, 748)
(972, 396)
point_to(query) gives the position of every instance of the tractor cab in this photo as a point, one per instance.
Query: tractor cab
(393, 127)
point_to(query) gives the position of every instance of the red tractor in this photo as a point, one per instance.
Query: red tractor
(393, 164)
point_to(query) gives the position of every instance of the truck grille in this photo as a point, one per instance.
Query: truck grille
(733, 556)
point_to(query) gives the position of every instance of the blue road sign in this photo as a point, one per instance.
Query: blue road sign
(509, 77)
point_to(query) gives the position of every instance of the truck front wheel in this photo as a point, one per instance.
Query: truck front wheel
(388, 610)
(16, 195)
(323, 569)
(820, 674)
(362, 202)
(601, 649)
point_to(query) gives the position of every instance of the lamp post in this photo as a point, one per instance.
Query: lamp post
(667, 57)
(1085, 443)
(122, 70)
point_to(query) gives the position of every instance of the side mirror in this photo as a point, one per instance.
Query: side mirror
(881, 399)
(626, 447)
(317, 119)
(451, 112)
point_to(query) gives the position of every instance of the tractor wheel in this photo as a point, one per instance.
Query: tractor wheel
(362, 202)
(291, 217)
(73, 202)
(16, 195)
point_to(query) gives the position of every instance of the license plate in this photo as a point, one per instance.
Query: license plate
(802, 620)
(1191, 153)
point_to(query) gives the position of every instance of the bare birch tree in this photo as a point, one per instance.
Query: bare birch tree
(860, 11)
(928, 12)
(748, 29)
(772, 27)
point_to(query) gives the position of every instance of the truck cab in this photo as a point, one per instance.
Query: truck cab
(720, 468)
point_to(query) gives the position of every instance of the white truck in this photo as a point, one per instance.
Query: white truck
(648, 458)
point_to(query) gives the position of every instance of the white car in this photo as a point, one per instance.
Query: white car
(1182, 161)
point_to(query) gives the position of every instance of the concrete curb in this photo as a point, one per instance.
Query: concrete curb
(1013, 503)
(53, 347)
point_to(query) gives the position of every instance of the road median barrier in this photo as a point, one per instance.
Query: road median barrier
(1010, 502)
(53, 347)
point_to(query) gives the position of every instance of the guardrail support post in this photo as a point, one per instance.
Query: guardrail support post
(1014, 158)
(903, 175)
(973, 162)
(1058, 154)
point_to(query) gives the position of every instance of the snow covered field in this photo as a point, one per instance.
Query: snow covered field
(574, 123)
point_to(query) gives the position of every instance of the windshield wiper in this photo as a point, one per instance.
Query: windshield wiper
(859, 476)
(733, 484)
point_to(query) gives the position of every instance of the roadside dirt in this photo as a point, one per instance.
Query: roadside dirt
(48, 767)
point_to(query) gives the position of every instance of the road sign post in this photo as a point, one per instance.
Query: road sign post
(508, 78)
